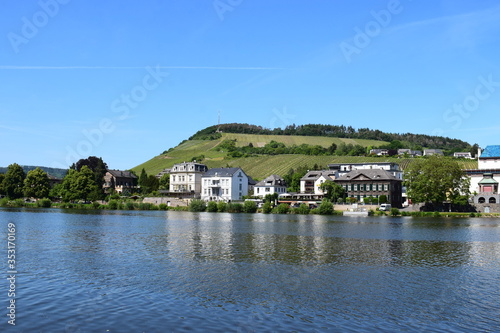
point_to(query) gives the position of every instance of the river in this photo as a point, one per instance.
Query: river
(161, 271)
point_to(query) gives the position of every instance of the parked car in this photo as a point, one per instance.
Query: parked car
(385, 207)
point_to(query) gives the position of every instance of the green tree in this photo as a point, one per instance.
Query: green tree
(13, 182)
(2, 177)
(79, 185)
(98, 168)
(332, 190)
(36, 184)
(435, 180)
(382, 199)
(164, 182)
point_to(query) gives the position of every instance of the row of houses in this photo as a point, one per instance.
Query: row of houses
(417, 153)
(360, 180)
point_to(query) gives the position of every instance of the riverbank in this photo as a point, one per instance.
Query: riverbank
(222, 207)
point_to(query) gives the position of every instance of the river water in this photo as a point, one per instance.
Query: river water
(156, 271)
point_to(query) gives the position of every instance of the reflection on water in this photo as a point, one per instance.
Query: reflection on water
(157, 271)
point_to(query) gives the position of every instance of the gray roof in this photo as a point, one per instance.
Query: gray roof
(313, 175)
(222, 172)
(272, 180)
(124, 174)
(372, 174)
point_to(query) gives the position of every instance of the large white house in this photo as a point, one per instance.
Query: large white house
(484, 179)
(270, 185)
(186, 177)
(312, 180)
(224, 184)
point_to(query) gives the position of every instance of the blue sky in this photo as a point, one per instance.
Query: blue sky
(126, 80)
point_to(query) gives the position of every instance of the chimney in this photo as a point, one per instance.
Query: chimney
(478, 153)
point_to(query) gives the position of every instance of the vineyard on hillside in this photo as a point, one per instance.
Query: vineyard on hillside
(262, 166)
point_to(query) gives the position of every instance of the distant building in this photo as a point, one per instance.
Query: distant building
(364, 183)
(163, 172)
(270, 185)
(463, 155)
(186, 178)
(410, 152)
(379, 152)
(53, 180)
(430, 152)
(224, 184)
(122, 182)
(312, 181)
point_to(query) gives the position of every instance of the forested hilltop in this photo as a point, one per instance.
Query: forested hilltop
(407, 140)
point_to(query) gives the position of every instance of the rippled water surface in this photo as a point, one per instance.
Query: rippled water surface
(104, 271)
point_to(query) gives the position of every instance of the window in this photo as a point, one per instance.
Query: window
(355, 187)
(349, 187)
(386, 187)
(241, 187)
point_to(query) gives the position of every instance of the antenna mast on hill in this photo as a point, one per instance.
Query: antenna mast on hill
(218, 124)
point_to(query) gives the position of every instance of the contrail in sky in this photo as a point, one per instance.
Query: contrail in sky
(140, 67)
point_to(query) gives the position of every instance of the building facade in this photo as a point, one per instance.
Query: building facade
(343, 169)
(186, 177)
(312, 180)
(270, 185)
(484, 179)
(363, 183)
(224, 184)
(122, 182)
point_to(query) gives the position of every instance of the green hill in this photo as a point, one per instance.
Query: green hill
(262, 166)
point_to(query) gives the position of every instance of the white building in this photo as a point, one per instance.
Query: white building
(270, 185)
(186, 177)
(224, 184)
(312, 180)
(484, 180)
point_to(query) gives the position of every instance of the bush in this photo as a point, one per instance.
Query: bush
(326, 208)
(405, 213)
(281, 209)
(221, 207)
(145, 206)
(436, 214)
(113, 204)
(212, 207)
(129, 205)
(197, 205)
(249, 207)
(394, 211)
(162, 206)
(314, 211)
(44, 203)
(267, 208)
(234, 207)
(95, 205)
(303, 209)
(4, 202)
